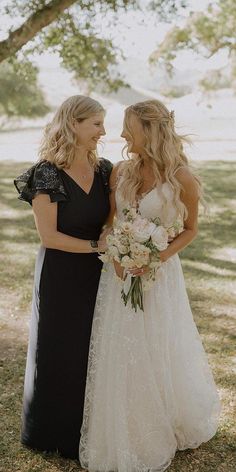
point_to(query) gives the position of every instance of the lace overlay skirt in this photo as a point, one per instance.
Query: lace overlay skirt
(149, 388)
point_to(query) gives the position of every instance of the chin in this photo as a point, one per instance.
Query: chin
(93, 147)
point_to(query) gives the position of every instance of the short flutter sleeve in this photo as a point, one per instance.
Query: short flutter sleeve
(43, 177)
(106, 168)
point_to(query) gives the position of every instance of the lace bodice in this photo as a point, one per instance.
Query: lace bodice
(158, 202)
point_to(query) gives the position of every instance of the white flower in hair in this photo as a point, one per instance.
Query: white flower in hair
(172, 116)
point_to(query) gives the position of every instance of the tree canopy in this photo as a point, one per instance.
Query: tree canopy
(205, 33)
(19, 93)
(71, 32)
(69, 28)
(66, 27)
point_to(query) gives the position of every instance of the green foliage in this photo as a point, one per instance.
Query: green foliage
(77, 39)
(204, 32)
(166, 10)
(176, 91)
(90, 58)
(214, 80)
(23, 7)
(19, 92)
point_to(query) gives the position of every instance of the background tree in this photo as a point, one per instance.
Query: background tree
(53, 26)
(69, 28)
(19, 93)
(205, 33)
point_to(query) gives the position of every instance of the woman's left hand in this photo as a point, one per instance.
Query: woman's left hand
(138, 271)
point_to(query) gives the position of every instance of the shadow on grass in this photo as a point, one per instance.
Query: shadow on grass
(19, 458)
(219, 230)
(16, 225)
(18, 236)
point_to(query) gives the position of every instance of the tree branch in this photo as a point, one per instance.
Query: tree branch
(38, 20)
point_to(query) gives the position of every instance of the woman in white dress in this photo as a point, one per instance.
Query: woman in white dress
(149, 388)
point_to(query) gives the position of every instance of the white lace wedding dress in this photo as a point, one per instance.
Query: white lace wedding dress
(149, 388)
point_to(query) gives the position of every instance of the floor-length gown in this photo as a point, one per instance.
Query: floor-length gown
(63, 304)
(149, 388)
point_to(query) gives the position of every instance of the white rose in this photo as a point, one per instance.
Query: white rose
(140, 254)
(123, 249)
(127, 262)
(141, 261)
(142, 229)
(138, 248)
(160, 238)
(113, 251)
(126, 227)
(110, 239)
(124, 240)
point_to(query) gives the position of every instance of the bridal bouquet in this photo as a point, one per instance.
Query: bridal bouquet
(136, 242)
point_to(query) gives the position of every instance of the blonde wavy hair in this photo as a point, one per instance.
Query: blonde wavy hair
(162, 145)
(59, 143)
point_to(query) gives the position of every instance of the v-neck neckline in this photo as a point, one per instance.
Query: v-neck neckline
(79, 186)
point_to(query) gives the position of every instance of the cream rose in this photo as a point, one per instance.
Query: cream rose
(127, 262)
(142, 229)
(160, 238)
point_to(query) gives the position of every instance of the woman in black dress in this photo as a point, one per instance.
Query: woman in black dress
(69, 192)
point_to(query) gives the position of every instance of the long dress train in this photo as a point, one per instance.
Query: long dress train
(149, 388)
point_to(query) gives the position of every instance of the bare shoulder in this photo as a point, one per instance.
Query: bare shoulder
(188, 181)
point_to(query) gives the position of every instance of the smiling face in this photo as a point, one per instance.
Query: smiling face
(90, 130)
(133, 133)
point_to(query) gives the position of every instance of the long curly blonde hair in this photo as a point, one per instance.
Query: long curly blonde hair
(163, 146)
(59, 143)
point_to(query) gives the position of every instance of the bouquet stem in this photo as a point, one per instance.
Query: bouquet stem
(134, 294)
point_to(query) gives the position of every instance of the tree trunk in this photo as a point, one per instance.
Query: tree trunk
(38, 20)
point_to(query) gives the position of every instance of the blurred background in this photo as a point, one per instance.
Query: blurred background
(182, 52)
(119, 52)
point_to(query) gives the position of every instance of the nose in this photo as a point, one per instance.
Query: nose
(103, 131)
(123, 134)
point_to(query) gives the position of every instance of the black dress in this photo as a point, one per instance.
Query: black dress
(63, 303)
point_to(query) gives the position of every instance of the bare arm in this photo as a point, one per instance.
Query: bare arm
(190, 197)
(45, 215)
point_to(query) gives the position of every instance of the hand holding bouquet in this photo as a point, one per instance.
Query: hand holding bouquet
(136, 242)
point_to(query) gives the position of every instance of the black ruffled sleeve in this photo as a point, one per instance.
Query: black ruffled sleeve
(43, 177)
(106, 167)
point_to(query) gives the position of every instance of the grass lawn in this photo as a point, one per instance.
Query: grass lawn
(209, 266)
